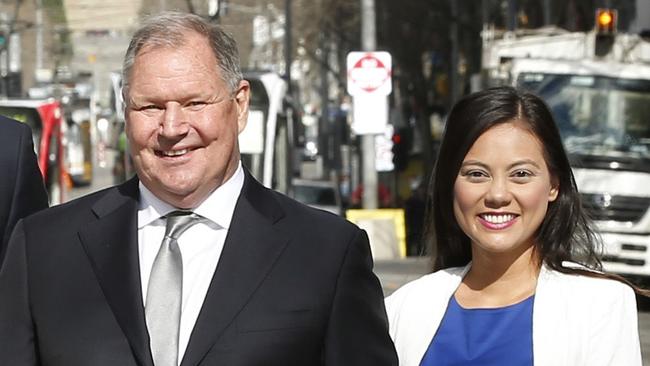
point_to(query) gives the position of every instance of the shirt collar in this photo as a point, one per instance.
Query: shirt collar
(218, 207)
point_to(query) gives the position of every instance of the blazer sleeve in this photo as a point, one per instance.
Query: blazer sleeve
(357, 331)
(615, 335)
(17, 338)
(28, 195)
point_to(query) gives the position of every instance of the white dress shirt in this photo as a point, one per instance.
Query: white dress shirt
(200, 245)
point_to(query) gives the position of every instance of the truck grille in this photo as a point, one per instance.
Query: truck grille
(605, 207)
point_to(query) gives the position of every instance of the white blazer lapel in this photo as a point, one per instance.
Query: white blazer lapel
(551, 341)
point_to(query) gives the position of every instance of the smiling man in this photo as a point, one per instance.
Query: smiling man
(192, 262)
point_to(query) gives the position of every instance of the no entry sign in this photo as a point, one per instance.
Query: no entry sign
(369, 73)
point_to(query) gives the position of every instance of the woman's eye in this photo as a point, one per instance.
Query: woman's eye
(475, 174)
(522, 174)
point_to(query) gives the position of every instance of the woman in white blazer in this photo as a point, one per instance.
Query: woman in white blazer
(516, 278)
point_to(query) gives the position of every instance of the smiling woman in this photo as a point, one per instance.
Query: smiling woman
(515, 263)
(502, 193)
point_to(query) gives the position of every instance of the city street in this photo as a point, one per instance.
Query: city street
(530, 118)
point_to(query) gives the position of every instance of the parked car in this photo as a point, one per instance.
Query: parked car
(320, 194)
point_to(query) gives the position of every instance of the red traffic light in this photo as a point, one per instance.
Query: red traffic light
(397, 138)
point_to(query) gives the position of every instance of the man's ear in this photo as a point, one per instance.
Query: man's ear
(242, 98)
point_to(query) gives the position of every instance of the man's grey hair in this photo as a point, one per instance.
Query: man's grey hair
(170, 29)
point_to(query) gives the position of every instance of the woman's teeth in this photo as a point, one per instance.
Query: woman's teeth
(498, 219)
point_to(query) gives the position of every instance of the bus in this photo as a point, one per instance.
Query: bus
(46, 121)
(266, 144)
(74, 96)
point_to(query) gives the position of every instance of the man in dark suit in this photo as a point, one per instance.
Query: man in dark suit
(244, 276)
(21, 184)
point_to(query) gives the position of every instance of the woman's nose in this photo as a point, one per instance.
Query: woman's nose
(498, 194)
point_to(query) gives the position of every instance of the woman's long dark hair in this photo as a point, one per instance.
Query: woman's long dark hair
(565, 234)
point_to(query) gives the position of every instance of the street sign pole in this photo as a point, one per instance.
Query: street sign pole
(369, 176)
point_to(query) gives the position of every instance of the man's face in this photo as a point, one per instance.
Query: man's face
(183, 121)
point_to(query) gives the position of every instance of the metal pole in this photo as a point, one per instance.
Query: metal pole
(39, 35)
(323, 123)
(287, 44)
(547, 12)
(368, 43)
(289, 94)
(512, 15)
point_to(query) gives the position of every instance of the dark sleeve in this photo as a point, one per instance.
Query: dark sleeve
(357, 331)
(29, 193)
(17, 339)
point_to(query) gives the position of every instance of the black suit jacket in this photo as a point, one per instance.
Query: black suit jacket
(294, 286)
(21, 184)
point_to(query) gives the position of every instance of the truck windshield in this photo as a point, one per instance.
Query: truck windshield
(597, 116)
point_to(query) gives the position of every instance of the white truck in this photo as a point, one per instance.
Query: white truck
(597, 84)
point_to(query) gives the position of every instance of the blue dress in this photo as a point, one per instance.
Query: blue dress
(485, 337)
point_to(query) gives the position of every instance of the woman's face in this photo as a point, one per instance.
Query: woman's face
(502, 190)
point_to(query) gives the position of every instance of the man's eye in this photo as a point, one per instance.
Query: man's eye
(149, 107)
(194, 105)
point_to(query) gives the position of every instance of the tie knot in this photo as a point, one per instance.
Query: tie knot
(179, 221)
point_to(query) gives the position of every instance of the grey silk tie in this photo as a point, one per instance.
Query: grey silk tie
(165, 291)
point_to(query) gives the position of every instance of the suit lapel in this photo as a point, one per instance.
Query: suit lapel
(112, 247)
(251, 248)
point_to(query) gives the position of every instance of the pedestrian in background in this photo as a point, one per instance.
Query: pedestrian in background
(192, 262)
(414, 209)
(517, 279)
(21, 182)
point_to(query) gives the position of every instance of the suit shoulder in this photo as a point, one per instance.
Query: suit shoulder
(299, 212)
(67, 212)
(12, 125)
(12, 135)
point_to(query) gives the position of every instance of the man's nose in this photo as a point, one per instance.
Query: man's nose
(173, 123)
(498, 194)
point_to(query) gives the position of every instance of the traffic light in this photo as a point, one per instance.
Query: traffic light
(606, 20)
(401, 148)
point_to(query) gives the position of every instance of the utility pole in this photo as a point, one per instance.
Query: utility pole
(547, 12)
(512, 15)
(287, 44)
(39, 35)
(289, 95)
(368, 43)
